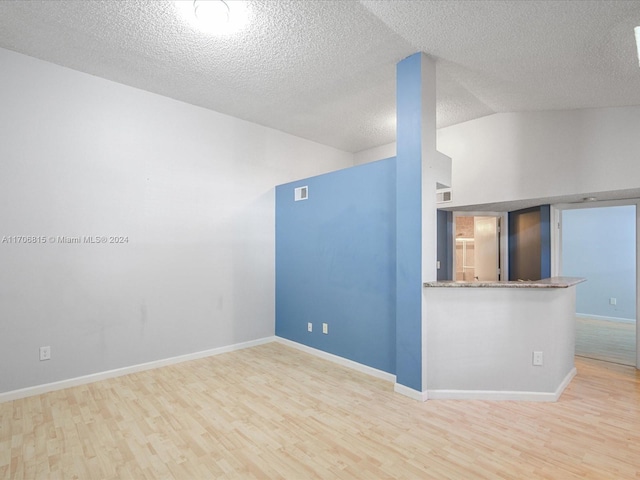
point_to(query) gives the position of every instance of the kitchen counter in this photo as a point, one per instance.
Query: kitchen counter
(482, 339)
(553, 282)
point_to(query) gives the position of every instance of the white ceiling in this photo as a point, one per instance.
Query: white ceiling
(325, 70)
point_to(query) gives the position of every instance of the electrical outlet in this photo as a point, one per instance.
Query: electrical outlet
(537, 359)
(613, 301)
(309, 327)
(325, 328)
(45, 353)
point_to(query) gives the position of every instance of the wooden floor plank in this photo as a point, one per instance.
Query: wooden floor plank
(606, 340)
(272, 412)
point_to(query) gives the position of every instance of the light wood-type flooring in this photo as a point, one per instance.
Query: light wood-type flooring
(605, 340)
(275, 412)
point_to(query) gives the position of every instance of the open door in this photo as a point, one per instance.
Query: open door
(477, 248)
(599, 241)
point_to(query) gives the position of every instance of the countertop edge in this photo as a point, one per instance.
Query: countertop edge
(553, 282)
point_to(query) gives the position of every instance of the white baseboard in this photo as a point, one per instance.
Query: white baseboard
(118, 372)
(374, 372)
(398, 388)
(406, 391)
(503, 395)
(607, 319)
(565, 383)
(410, 392)
(492, 395)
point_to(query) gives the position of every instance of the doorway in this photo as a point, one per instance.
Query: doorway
(477, 247)
(598, 242)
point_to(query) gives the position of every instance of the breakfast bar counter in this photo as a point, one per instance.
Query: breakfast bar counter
(553, 282)
(483, 338)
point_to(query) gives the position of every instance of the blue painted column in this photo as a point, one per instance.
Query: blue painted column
(415, 217)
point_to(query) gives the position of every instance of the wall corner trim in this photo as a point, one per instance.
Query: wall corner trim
(410, 392)
(119, 372)
(374, 372)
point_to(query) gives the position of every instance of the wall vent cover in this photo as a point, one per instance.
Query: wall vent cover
(443, 195)
(301, 193)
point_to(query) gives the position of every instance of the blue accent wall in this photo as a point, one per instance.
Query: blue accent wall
(600, 245)
(336, 261)
(351, 255)
(409, 223)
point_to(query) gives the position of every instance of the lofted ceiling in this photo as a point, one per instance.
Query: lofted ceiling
(325, 70)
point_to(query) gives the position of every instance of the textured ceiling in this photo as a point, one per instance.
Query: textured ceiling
(325, 70)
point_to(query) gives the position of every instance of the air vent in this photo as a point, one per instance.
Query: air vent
(301, 193)
(443, 195)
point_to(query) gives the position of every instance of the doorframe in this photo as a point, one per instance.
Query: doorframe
(503, 237)
(556, 246)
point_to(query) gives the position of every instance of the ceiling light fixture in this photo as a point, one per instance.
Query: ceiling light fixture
(220, 17)
(212, 12)
(637, 30)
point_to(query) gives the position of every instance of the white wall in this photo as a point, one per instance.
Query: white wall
(513, 156)
(191, 189)
(481, 342)
(519, 156)
(373, 154)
